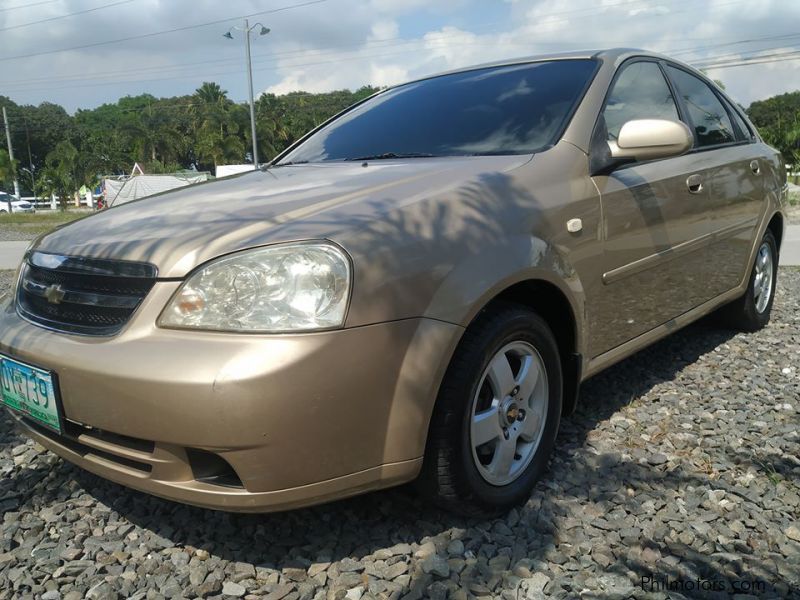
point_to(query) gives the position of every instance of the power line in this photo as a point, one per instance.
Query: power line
(29, 5)
(767, 38)
(589, 12)
(209, 74)
(113, 77)
(737, 56)
(270, 66)
(755, 60)
(733, 58)
(306, 53)
(80, 12)
(762, 62)
(157, 33)
(204, 64)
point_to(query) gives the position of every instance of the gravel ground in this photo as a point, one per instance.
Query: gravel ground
(681, 465)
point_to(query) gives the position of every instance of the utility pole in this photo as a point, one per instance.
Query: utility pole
(30, 162)
(10, 157)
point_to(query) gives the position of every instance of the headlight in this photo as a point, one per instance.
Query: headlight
(288, 287)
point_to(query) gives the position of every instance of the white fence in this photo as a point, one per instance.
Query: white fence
(52, 202)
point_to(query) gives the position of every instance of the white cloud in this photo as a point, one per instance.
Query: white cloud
(349, 43)
(384, 30)
(388, 75)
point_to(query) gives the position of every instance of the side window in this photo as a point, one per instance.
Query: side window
(640, 92)
(710, 120)
(744, 133)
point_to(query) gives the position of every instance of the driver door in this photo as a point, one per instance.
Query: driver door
(656, 220)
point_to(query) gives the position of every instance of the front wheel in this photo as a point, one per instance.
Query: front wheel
(751, 312)
(497, 414)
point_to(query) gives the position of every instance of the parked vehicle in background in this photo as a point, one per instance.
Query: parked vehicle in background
(17, 206)
(416, 289)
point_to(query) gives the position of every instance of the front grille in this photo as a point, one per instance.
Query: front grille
(89, 296)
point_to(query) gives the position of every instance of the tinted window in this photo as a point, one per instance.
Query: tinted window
(744, 132)
(516, 109)
(710, 120)
(640, 92)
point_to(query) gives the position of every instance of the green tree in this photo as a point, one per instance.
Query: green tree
(7, 169)
(218, 134)
(201, 130)
(778, 121)
(64, 172)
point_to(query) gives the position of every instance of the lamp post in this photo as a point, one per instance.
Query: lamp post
(263, 31)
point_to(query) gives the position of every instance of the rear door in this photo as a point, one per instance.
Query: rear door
(735, 187)
(656, 220)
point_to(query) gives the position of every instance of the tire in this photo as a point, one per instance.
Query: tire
(471, 479)
(751, 311)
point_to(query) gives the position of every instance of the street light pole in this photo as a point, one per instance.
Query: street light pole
(247, 29)
(250, 87)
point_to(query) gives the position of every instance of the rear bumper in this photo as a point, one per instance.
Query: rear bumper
(298, 419)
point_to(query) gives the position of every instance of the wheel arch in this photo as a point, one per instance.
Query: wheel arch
(557, 307)
(776, 225)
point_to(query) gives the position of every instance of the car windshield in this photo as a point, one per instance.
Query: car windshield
(517, 109)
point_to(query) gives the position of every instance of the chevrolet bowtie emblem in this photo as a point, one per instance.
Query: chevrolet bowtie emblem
(54, 294)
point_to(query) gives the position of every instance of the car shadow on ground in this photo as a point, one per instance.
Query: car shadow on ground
(545, 531)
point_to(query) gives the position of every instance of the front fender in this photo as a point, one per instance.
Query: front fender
(476, 281)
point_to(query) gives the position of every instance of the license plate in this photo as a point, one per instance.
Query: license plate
(31, 391)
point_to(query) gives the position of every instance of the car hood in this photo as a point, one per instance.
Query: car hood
(179, 230)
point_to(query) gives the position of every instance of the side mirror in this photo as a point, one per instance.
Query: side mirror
(648, 139)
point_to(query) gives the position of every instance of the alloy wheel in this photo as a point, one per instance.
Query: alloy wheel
(508, 413)
(762, 282)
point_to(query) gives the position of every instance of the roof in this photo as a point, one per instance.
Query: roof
(610, 54)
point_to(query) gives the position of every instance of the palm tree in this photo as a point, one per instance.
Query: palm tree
(273, 135)
(217, 134)
(211, 93)
(64, 172)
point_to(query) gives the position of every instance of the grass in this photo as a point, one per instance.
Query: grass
(38, 223)
(794, 198)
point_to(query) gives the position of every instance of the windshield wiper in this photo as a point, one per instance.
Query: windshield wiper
(496, 153)
(290, 163)
(388, 155)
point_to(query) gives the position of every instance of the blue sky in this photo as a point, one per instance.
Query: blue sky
(332, 44)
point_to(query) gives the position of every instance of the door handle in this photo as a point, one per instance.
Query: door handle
(755, 167)
(694, 183)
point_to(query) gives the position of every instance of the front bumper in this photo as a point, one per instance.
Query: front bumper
(298, 419)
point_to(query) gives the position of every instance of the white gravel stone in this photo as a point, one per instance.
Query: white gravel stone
(236, 590)
(679, 460)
